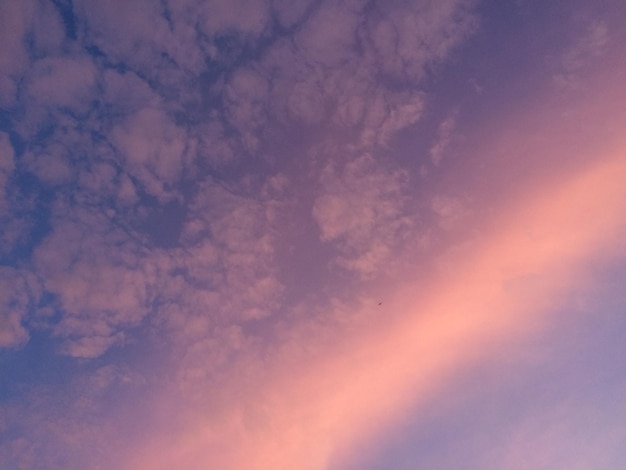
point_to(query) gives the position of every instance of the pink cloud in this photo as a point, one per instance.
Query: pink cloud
(444, 139)
(436, 27)
(329, 35)
(361, 208)
(248, 17)
(66, 82)
(290, 12)
(7, 165)
(154, 148)
(19, 293)
(584, 51)
(20, 22)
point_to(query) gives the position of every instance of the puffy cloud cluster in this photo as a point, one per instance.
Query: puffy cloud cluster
(160, 164)
(152, 131)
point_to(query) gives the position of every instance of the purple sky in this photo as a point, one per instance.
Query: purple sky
(300, 234)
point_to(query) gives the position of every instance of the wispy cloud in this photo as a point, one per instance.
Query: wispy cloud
(588, 46)
(445, 136)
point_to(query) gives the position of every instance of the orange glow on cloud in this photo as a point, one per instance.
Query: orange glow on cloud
(502, 287)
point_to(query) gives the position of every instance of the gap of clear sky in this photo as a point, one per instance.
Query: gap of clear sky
(312, 234)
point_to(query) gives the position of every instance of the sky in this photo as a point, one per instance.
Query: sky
(312, 234)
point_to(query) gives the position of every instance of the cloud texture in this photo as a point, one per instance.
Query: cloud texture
(266, 234)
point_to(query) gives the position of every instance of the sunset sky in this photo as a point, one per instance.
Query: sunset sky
(312, 234)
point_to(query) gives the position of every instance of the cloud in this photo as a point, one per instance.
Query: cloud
(337, 77)
(307, 415)
(100, 279)
(107, 281)
(394, 30)
(52, 164)
(388, 114)
(138, 33)
(592, 42)
(328, 38)
(126, 93)
(7, 165)
(580, 55)
(361, 209)
(19, 293)
(13, 55)
(25, 25)
(450, 211)
(291, 12)
(153, 149)
(63, 82)
(13, 225)
(249, 17)
(230, 277)
(89, 347)
(444, 138)
(247, 97)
